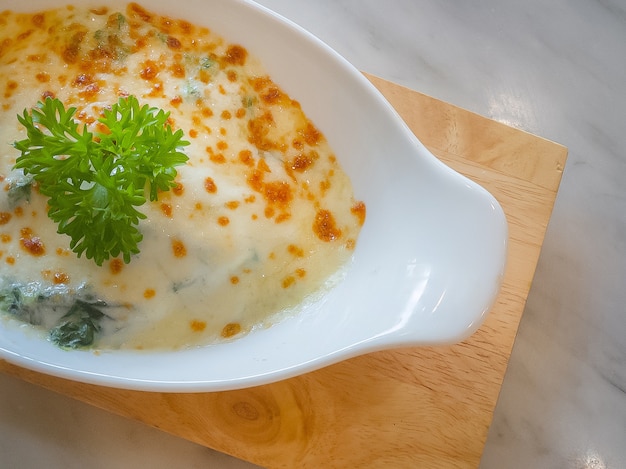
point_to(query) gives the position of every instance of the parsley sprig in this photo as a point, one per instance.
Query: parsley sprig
(96, 180)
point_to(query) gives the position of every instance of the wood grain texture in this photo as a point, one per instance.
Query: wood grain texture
(414, 407)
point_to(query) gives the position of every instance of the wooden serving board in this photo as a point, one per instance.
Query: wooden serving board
(414, 407)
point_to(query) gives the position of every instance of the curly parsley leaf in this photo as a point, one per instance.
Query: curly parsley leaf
(95, 181)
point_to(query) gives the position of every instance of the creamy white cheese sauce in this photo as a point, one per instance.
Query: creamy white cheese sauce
(262, 217)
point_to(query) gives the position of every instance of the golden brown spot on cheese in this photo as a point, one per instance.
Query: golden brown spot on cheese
(189, 29)
(288, 281)
(235, 55)
(149, 293)
(32, 244)
(311, 135)
(18, 211)
(141, 42)
(283, 217)
(259, 129)
(278, 193)
(5, 238)
(157, 90)
(223, 221)
(38, 58)
(23, 36)
(165, 24)
(60, 278)
(324, 186)
(178, 248)
(222, 145)
(176, 101)
(86, 118)
(138, 12)
(197, 325)
(246, 157)
(116, 266)
(232, 205)
(88, 84)
(149, 70)
(295, 250)
(5, 217)
(209, 185)
(234, 280)
(38, 20)
(62, 252)
(325, 226)
(177, 70)
(71, 51)
(272, 95)
(204, 76)
(42, 77)
(173, 43)
(262, 166)
(258, 83)
(10, 88)
(218, 158)
(255, 180)
(99, 11)
(178, 189)
(4, 45)
(10, 260)
(166, 209)
(359, 210)
(302, 162)
(231, 329)
(301, 273)
(297, 143)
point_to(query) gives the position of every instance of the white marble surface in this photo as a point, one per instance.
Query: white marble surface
(556, 69)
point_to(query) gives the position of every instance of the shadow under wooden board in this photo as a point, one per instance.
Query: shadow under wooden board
(412, 407)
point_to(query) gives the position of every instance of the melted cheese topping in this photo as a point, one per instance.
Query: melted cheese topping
(262, 217)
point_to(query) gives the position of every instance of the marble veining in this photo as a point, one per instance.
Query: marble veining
(555, 69)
